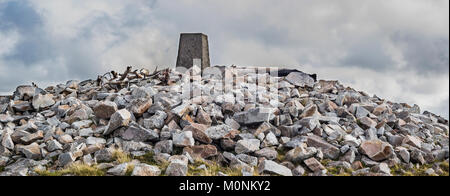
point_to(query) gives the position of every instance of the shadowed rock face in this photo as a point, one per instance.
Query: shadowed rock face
(281, 125)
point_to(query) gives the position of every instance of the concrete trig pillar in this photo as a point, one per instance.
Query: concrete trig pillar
(193, 49)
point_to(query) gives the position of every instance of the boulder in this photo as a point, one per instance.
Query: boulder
(376, 150)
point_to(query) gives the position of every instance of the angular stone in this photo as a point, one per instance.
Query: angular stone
(218, 132)
(198, 132)
(270, 140)
(95, 141)
(139, 106)
(203, 118)
(272, 167)
(65, 159)
(181, 110)
(183, 139)
(24, 92)
(139, 134)
(80, 114)
(298, 171)
(43, 101)
(54, 145)
(65, 139)
(403, 153)
(376, 150)
(105, 109)
(382, 168)
(247, 146)
(232, 123)
(21, 106)
(178, 166)
(145, 170)
(314, 165)
(412, 141)
(297, 155)
(31, 151)
(118, 119)
(367, 123)
(268, 153)
(118, 170)
(81, 124)
(165, 146)
(310, 112)
(254, 116)
(300, 79)
(7, 141)
(85, 132)
(204, 151)
(104, 155)
(30, 138)
(156, 121)
(328, 150)
(247, 159)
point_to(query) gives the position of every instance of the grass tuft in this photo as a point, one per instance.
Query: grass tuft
(76, 169)
(212, 169)
(121, 156)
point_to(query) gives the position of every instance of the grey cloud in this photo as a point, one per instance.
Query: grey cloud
(378, 39)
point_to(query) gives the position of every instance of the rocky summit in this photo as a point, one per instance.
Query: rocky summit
(225, 121)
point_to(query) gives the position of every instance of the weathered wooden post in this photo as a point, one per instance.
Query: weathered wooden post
(193, 47)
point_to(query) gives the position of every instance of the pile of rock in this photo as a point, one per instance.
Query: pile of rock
(263, 124)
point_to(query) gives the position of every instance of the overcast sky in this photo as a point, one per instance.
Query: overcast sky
(398, 50)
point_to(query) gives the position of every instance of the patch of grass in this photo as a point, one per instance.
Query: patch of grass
(74, 170)
(2, 169)
(401, 170)
(130, 168)
(339, 171)
(121, 156)
(212, 169)
(444, 166)
(281, 155)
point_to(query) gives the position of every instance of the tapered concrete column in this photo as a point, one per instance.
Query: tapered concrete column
(193, 47)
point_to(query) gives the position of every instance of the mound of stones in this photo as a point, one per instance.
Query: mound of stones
(263, 124)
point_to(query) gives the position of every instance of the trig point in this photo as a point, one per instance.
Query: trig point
(193, 47)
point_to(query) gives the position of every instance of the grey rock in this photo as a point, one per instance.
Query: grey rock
(314, 165)
(376, 149)
(298, 171)
(328, 150)
(254, 116)
(156, 121)
(165, 146)
(299, 154)
(7, 141)
(54, 145)
(300, 79)
(272, 167)
(31, 151)
(105, 109)
(118, 119)
(268, 153)
(218, 132)
(119, 170)
(43, 101)
(65, 159)
(247, 146)
(145, 170)
(139, 134)
(183, 139)
(104, 155)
